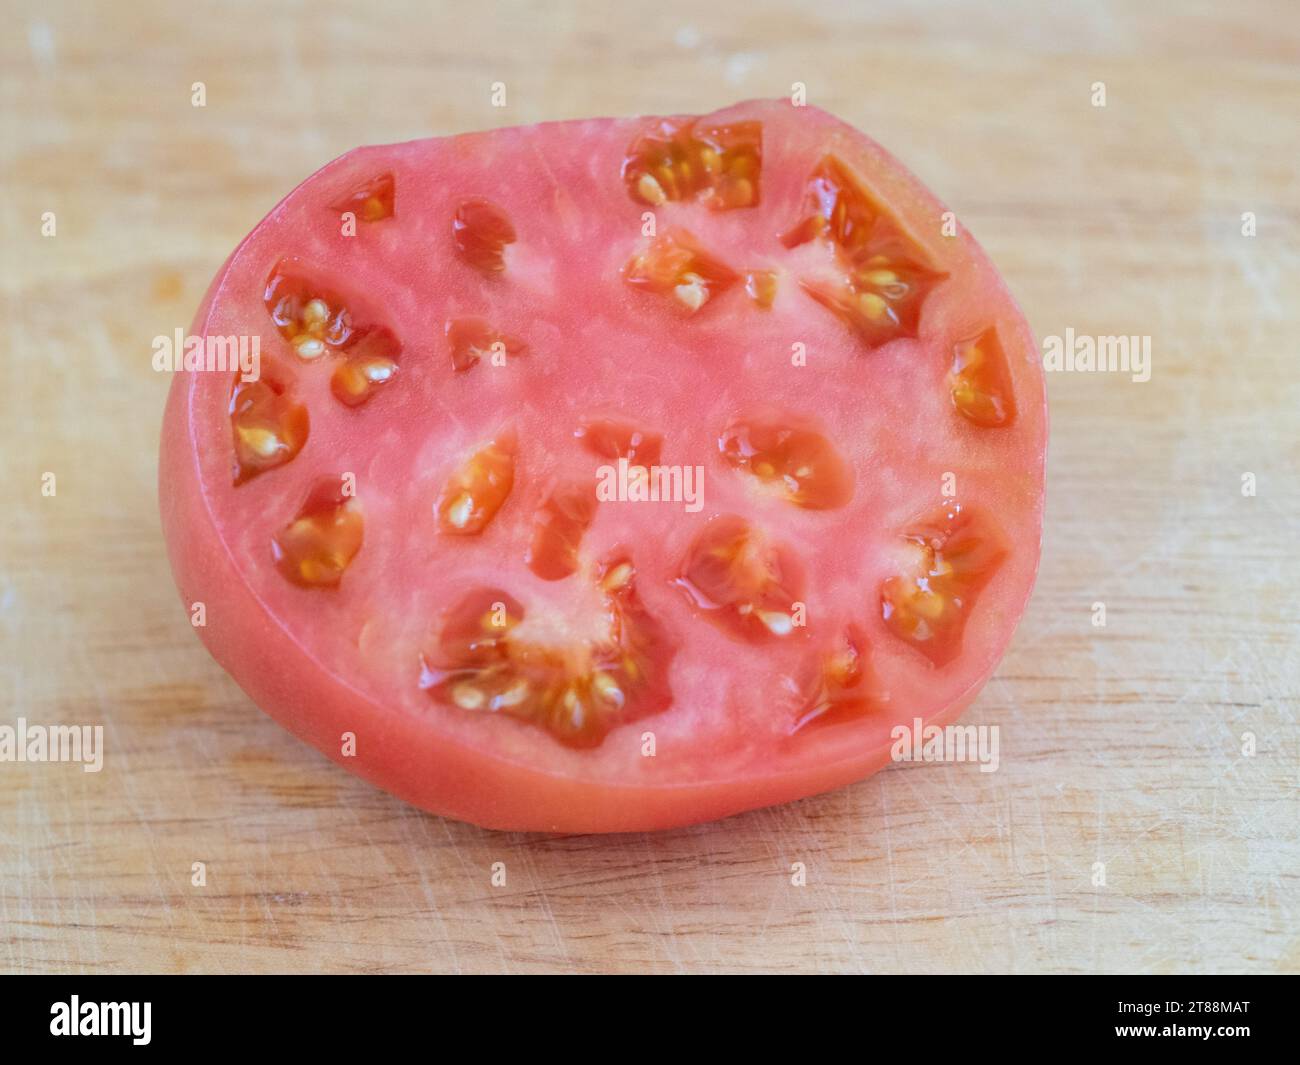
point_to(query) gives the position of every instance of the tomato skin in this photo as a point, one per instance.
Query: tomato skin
(408, 755)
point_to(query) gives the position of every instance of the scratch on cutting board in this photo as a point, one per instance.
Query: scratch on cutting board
(882, 794)
(536, 877)
(415, 828)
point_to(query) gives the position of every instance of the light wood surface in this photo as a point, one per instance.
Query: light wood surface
(1121, 745)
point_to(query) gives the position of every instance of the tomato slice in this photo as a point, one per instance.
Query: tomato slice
(595, 479)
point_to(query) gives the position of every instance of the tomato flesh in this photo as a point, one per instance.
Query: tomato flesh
(611, 475)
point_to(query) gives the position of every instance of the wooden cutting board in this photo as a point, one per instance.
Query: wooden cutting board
(1122, 746)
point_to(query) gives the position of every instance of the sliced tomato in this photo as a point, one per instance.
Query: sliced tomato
(766, 483)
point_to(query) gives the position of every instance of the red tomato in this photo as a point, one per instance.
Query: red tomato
(427, 526)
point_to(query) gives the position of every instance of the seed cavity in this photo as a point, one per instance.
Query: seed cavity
(614, 438)
(309, 318)
(268, 427)
(691, 159)
(950, 554)
(481, 231)
(839, 685)
(980, 381)
(675, 265)
(742, 581)
(472, 339)
(477, 489)
(785, 453)
(558, 528)
(371, 202)
(316, 547)
(576, 688)
(318, 323)
(760, 287)
(884, 276)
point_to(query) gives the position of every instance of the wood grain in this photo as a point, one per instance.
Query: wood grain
(1120, 745)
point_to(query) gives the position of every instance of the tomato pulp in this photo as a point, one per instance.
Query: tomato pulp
(612, 474)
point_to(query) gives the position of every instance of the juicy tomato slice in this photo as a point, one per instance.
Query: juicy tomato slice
(693, 553)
